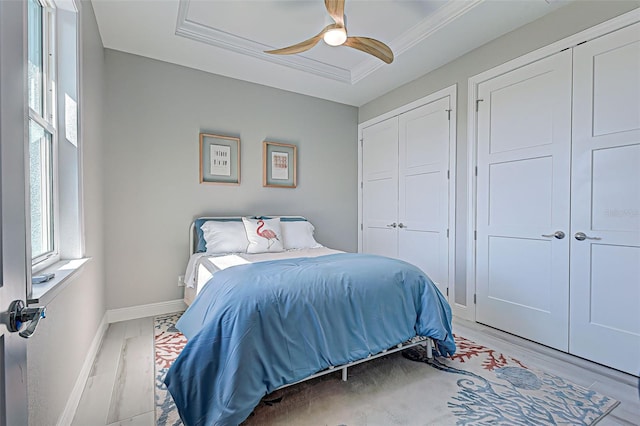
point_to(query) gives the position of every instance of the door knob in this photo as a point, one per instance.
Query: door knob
(558, 234)
(19, 314)
(581, 236)
(393, 225)
(402, 225)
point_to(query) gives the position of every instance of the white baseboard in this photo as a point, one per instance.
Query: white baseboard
(76, 393)
(112, 315)
(141, 311)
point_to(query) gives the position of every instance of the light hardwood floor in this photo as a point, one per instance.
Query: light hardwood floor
(120, 387)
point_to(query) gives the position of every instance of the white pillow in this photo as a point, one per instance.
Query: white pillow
(264, 235)
(225, 237)
(298, 235)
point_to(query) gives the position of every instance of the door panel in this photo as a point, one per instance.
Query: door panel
(380, 188)
(420, 241)
(419, 212)
(429, 242)
(427, 123)
(382, 242)
(509, 204)
(616, 178)
(423, 207)
(382, 211)
(612, 276)
(534, 114)
(524, 142)
(616, 82)
(526, 261)
(605, 268)
(13, 264)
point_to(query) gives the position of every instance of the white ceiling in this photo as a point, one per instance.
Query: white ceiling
(228, 37)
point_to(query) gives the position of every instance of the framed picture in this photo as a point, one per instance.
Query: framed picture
(279, 165)
(219, 159)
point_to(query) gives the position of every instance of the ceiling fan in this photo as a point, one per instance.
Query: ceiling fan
(336, 35)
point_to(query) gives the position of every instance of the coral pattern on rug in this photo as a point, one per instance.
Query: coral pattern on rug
(168, 342)
(467, 350)
(485, 387)
(512, 394)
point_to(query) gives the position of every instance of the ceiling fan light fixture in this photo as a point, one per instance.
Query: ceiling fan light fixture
(335, 36)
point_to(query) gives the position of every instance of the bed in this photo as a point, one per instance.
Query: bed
(287, 309)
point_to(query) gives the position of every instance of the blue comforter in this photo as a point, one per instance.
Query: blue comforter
(256, 327)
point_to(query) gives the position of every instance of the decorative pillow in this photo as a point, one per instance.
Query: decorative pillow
(201, 242)
(298, 235)
(264, 235)
(224, 237)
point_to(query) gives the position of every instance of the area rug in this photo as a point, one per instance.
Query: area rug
(477, 386)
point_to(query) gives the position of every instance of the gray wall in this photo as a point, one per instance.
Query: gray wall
(566, 21)
(58, 349)
(154, 112)
(141, 185)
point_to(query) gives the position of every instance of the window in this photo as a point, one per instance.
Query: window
(41, 189)
(42, 133)
(53, 144)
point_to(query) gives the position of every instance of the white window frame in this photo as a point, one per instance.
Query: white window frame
(63, 77)
(48, 122)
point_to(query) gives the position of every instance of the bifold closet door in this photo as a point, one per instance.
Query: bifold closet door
(380, 188)
(605, 211)
(523, 196)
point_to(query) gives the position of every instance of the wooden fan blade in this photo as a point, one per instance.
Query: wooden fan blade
(372, 47)
(336, 10)
(302, 46)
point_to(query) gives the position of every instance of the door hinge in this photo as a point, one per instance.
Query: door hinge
(448, 114)
(448, 174)
(447, 232)
(478, 103)
(361, 142)
(474, 298)
(447, 291)
(475, 235)
(361, 185)
(361, 227)
(476, 170)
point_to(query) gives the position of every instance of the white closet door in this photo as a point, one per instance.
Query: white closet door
(524, 144)
(423, 209)
(380, 188)
(605, 267)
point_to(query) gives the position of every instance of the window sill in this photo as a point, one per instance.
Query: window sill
(65, 271)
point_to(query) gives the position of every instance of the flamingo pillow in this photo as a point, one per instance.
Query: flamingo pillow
(264, 235)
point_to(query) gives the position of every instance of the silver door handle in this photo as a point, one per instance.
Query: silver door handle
(402, 225)
(581, 236)
(19, 314)
(558, 234)
(393, 225)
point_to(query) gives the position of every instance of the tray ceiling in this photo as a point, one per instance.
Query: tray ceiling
(228, 37)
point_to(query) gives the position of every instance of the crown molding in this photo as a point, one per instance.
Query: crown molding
(442, 17)
(416, 34)
(205, 34)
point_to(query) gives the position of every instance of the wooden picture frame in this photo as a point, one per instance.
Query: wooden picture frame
(219, 159)
(279, 165)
